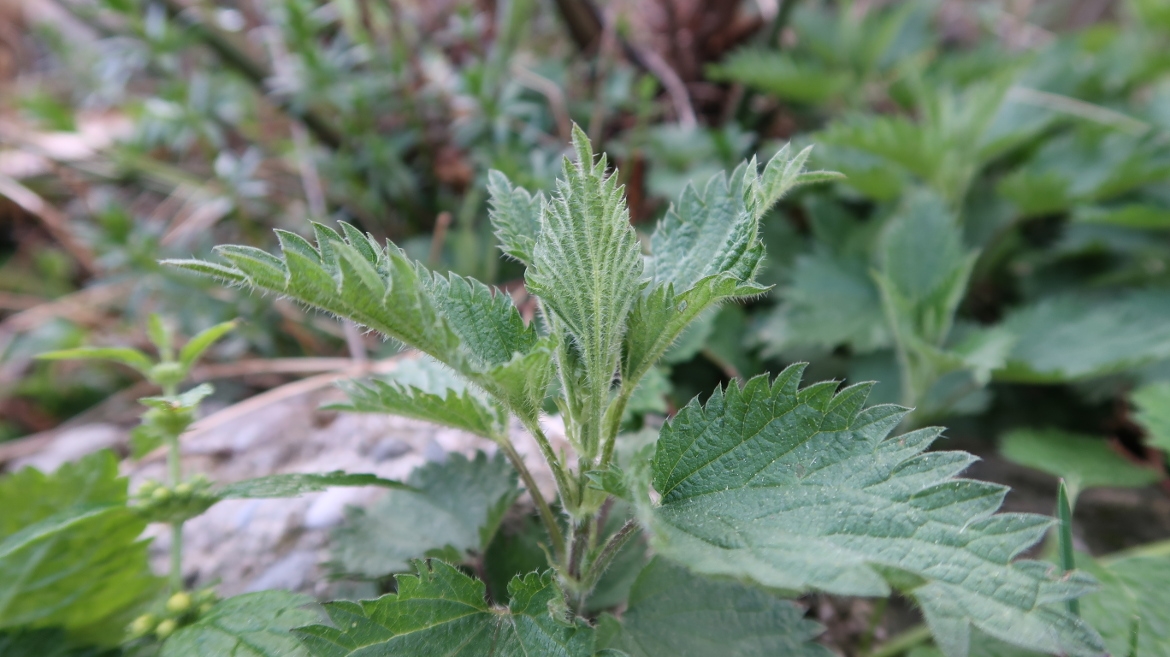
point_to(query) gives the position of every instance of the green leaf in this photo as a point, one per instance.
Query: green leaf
(453, 508)
(1078, 336)
(186, 401)
(200, 343)
(1085, 461)
(515, 216)
(1130, 215)
(1135, 590)
(160, 335)
(804, 489)
(1153, 413)
(48, 643)
(832, 300)
(124, 355)
(780, 75)
(673, 613)
(923, 269)
(586, 269)
(248, 625)
(441, 611)
(294, 484)
(69, 551)
(460, 323)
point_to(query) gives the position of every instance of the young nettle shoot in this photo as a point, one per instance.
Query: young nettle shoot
(768, 483)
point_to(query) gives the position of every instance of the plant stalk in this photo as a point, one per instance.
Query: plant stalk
(542, 505)
(607, 554)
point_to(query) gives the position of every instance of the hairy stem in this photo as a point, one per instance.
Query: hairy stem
(568, 499)
(607, 554)
(542, 506)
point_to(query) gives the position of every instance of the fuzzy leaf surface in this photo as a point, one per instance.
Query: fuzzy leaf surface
(442, 612)
(587, 268)
(515, 216)
(294, 484)
(460, 323)
(674, 613)
(802, 489)
(453, 508)
(69, 550)
(249, 625)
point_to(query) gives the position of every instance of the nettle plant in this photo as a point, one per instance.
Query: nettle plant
(768, 490)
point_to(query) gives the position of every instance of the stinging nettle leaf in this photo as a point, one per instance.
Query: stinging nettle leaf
(674, 613)
(249, 625)
(450, 508)
(587, 269)
(801, 489)
(124, 355)
(515, 215)
(1084, 461)
(1153, 413)
(202, 341)
(441, 611)
(1134, 595)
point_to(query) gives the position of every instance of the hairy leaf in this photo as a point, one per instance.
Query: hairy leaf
(780, 75)
(460, 323)
(453, 508)
(294, 484)
(1078, 336)
(586, 269)
(441, 611)
(69, 551)
(1085, 461)
(804, 489)
(515, 215)
(248, 625)
(673, 613)
(1153, 413)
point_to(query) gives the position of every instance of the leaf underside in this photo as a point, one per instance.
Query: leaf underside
(805, 489)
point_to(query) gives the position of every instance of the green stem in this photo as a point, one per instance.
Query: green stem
(612, 547)
(174, 476)
(1067, 558)
(613, 421)
(542, 505)
(176, 557)
(904, 642)
(568, 500)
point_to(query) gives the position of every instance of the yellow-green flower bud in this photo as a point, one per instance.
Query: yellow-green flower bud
(183, 490)
(161, 494)
(166, 628)
(142, 625)
(179, 603)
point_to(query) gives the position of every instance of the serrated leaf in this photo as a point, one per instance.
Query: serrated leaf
(69, 550)
(924, 269)
(350, 275)
(452, 508)
(586, 269)
(1077, 336)
(124, 355)
(294, 484)
(441, 611)
(249, 625)
(1085, 461)
(1135, 591)
(804, 489)
(201, 341)
(832, 300)
(515, 216)
(674, 613)
(1153, 413)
